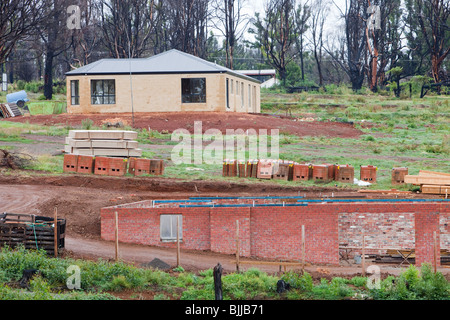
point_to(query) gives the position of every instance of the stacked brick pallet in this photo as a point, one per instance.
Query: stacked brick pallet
(105, 143)
(431, 182)
(109, 166)
(291, 171)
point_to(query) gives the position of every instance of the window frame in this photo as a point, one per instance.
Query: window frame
(191, 95)
(108, 95)
(227, 94)
(75, 96)
(170, 219)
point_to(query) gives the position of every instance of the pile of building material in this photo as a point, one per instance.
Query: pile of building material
(268, 169)
(112, 166)
(9, 110)
(431, 182)
(107, 143)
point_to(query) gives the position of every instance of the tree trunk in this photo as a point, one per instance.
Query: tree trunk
(319, 68)
(48, 75)
(302, 65)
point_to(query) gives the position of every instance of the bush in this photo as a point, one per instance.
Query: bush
(87, 124)
(414, 285)
(302, 282)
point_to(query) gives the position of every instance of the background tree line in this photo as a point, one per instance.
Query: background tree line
(292, 36)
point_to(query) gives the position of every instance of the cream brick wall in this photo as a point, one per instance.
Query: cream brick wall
(162, 93)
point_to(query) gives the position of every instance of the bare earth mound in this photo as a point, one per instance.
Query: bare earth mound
(210, 120)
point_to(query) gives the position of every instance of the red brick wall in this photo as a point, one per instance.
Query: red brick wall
(223, 230)
(275, 232)
(427, 225)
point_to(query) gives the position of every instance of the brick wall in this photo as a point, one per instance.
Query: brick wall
(275, 232)
(427, 225)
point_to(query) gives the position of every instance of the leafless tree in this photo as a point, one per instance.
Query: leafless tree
(55, 37)
(17, 19)
(86, 39)
(433, 17)
(229, 19)
(275, 34)
(302, 16)
(353, 58)
(126, 26)
(187, 22)
(319, 12)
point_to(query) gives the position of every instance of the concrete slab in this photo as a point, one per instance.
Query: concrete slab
(103, 134)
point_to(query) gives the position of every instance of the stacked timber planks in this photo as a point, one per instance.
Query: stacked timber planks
(431, 182)
(107, 143)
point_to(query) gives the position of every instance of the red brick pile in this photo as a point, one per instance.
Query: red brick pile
(110, 166)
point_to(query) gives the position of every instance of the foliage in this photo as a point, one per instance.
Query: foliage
(100, 277)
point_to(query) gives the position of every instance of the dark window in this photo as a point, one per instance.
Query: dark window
(103, 91)
(193, 90)
(75, 92)
(228, 94)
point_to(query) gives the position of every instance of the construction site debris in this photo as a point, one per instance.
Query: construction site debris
(392, 191)
(9, 110)
(13, 160)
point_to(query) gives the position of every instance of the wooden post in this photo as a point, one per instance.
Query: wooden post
(434, 251)
(55, 231)
(237, 245)
(178, 241)
(303, 249)
(363, 255)
(116, 233)
(218, 282)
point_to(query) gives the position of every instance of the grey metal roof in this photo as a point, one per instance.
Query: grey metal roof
(172, 61)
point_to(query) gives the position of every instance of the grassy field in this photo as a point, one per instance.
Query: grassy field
(413, 133)
(408, 132)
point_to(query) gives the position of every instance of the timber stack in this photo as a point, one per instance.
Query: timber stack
(431, 182)
(103, 143)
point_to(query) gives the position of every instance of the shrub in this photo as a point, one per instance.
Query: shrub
(302, 282)
(87, 124)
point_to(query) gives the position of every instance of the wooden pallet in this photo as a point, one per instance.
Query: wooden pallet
(33, 232)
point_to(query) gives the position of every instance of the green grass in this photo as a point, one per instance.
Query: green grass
(47, 107)
(414, 133)
(101, 279)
